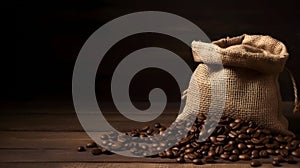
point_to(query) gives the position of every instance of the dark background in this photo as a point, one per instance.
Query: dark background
(48, 36)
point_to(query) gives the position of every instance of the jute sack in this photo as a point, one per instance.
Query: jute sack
(252, 64)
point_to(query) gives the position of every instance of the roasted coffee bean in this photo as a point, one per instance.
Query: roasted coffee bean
(228, 147)
(180, 160)
(243, 136)
(213, 139)
(169, 153)
(157, 125)
(224, 156)
(296, 153)
(270, 151)
(250, 130)
(80, 149)
(263, 153)
(219, 150)
(145, 128)
(259, 146)
(284, 152)
(233, 158)
(232, 134)
(231, 142)
(211, 153)
(255, 163)
(91, 145)
(250, 146)
(275, 163)
(209, 159)
(279, 138)
(241, 146)
(235, 151)
(288, 139)
(244, 157)
(221, 138)
(279, 159)
(290, 160)
(162, 128)
(255, 140)
(96, 151)
(189, 150)
(197, 161)
(295, 142)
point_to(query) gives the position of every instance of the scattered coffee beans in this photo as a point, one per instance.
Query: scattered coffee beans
(232, 139)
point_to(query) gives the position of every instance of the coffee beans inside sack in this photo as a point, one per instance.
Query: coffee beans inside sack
(252, 126)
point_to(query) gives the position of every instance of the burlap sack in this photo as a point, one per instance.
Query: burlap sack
(251, 68)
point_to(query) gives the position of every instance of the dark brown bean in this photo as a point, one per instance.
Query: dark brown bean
(197, 161)
(241, 146)
(284, 152)
(180, 160)
(263, 154)
(80, 149)
(233, 158)
(96, 151)
(279, 159)
(224, 156)
(255, 163)
(290, 160)
(157, 125)
(221, 138)
(244, 157)
(275, 163)
(296, 153)
(209, 159)
(91, 145)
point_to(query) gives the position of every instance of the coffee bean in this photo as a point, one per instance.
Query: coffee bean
(221, 138)
(255, 163)
(270, 151)
(250, 130)
(169, 153)
(209, 159)
(232, 134)
(228, 147)
(235, 151)
(145, 128)
(91, 145)
(279, 159)
(80, 149)
(189, 150)
(180, 160)
(290, 160)
(279, 138)
(244, 157)
(263, 153)
(296, 153)
(250, 146)
(255, 140)
(295, 142)
(157, 125)
(211, 153)
(275, 163)
(284, 152)
(224, 156)
(219, 150)
(233, 158)
(213, 139)
(96, 151)
(197, 161)
(241, 146)
(243, 136)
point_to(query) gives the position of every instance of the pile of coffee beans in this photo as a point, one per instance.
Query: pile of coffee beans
(231, 140)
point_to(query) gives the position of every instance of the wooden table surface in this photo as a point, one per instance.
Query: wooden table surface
(48, 137)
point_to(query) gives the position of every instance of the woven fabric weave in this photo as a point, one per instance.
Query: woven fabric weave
(252, 64)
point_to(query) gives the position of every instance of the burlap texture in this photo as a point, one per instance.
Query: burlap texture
(251, 68)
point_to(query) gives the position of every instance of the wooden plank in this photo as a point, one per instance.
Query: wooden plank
(42, 140)
(130, 165)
